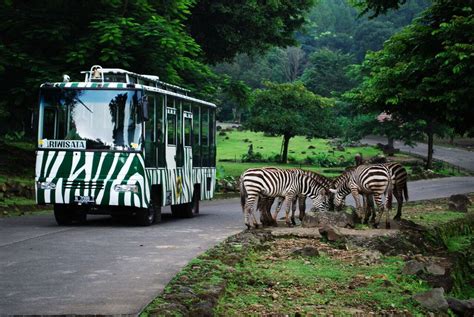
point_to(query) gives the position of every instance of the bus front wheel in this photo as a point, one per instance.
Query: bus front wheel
(148, 216)
(66, 215)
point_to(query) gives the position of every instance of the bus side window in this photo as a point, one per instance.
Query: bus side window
(212, 138)
(179, 133)
(49, 123)
(160, 108)
(196, 141)
(150, 140)
(187, 131)
(205, 136)
(171, 125)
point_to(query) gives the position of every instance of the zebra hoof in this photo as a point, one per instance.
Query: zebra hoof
(293, 222)
(387, 225)
(257, 226)
(397, 218)
(248, 226)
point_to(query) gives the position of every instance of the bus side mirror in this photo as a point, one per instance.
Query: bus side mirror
(144, 108)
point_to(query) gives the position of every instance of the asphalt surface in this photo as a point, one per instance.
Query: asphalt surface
(108, 268)
(454, 156)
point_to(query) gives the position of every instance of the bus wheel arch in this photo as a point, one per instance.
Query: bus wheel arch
(191, 209)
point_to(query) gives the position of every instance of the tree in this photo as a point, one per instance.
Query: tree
(237, 94)
(41, 40)
(327, 72)
(288, 109)
(224, 29)
(425, 72)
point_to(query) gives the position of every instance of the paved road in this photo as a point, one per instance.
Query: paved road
(107, 268)
(454, 156)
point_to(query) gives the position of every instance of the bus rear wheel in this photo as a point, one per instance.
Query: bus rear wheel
(66, 215)
(187, 210)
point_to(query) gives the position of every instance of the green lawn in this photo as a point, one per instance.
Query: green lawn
(234, 144)
(238, 143)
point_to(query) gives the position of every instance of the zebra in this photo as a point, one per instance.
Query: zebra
(373, 180)
(400, 189)
(274, 182)
(324, 181)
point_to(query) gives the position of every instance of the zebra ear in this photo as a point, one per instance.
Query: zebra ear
(332, 190)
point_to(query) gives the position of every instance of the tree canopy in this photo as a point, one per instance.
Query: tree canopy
(288, 109)
(425, 72)
(225, 28)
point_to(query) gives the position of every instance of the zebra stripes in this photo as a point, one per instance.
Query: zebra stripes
(373, 180)
(274, 182)
(91, 173)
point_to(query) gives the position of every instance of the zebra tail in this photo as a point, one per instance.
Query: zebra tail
(389, 194)
(405, 191)
(243, 195)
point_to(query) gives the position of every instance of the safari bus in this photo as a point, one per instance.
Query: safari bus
(123, 144)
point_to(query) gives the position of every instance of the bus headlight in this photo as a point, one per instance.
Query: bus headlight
(121, 188)
(46, 185)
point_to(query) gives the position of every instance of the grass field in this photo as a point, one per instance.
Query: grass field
(234, 144)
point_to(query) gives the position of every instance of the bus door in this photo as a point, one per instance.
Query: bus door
(171, 134)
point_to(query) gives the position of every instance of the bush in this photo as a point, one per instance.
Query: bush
(253, 157)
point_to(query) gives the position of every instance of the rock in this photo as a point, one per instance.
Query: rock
(461, 307)
(435, 269)
(432, 300)
(369, 257)
(413, 267)
(311, 233)
(169, 309)
(459, 202)
(307, 250)
(332, 233)
(320, 219)
(203, 309)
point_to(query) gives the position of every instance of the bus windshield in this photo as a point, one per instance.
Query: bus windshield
(104, 119)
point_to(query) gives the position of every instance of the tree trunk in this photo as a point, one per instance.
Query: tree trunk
(430, 133)
(390, 143)
(286, 141)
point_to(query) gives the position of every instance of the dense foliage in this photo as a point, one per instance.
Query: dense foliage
(226, 28)
(425, 72)
(41, 40)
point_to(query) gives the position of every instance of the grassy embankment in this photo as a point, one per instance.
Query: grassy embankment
(267, 279)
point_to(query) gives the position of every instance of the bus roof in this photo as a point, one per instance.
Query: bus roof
(114, 85)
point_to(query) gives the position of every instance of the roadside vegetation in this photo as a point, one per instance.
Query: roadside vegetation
(255, 273)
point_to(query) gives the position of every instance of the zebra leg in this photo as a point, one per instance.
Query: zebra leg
(249, 205)
(278, 207)
(289, 203)
(265, 205)
(380, 206)
(355, 194)
(293, 210)
(302, 206)
(399, 197)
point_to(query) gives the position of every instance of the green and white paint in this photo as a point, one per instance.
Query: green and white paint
(92, 173)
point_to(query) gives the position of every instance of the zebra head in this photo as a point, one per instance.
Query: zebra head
(319, 197)
(339, 190)
(338, 198)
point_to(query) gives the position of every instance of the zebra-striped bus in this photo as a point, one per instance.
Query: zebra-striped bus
(124, 144)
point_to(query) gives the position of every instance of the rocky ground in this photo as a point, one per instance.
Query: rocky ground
(421, 267)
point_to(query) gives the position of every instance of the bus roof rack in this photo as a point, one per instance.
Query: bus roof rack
(99, 74)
